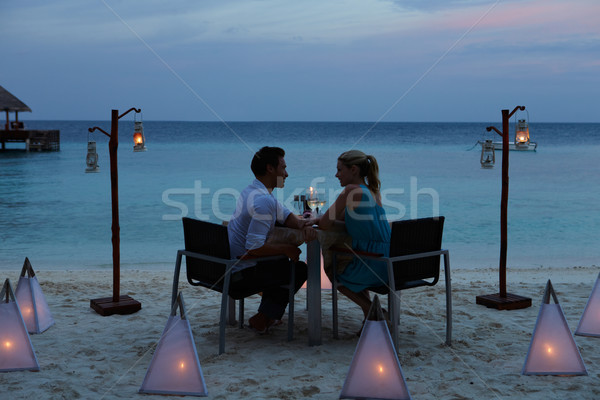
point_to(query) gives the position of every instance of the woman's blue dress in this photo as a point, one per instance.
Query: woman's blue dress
(370, 230)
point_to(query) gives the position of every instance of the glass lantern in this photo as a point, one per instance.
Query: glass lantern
(522, 133)
(139, 141)
(488, 155)
(91, 160)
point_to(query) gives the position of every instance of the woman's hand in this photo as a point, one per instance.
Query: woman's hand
(309, 233)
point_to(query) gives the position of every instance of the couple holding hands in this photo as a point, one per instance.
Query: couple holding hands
(358, 207)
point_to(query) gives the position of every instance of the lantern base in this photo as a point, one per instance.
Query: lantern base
(106, 306)
(510, 302)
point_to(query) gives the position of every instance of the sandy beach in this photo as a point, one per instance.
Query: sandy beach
(87, 356)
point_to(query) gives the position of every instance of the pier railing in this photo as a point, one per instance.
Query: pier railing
(34, 140)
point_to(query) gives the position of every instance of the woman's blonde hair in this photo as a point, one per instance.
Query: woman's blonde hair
(367, 164)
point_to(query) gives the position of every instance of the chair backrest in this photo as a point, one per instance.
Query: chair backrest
(416, 236)
(208, 239)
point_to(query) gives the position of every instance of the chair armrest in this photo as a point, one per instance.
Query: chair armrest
(356, 252)
(419, 255)
(260, 258)
(201, 256)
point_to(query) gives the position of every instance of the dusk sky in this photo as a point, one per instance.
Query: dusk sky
(315, 60)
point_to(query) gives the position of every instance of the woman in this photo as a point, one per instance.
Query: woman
(359, 206)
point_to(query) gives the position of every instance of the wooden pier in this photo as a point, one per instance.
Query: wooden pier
(15, 132)
(34, 140)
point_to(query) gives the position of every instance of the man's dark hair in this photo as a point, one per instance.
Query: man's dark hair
(266, 156)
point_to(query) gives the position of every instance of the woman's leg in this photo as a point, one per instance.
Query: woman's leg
(362, 298)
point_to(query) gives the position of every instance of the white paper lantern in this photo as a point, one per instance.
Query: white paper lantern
(552, 350)
(16, 350)
(589, 324)
(34, 309)
(375, 371)
(175, 368)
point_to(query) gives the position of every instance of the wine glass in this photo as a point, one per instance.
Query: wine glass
(315, 201)
(320, 204)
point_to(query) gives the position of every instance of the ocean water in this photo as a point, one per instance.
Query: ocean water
(60, 217)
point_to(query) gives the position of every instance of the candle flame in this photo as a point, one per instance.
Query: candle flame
(8, 344)
(549, 350)
(380, 368)
(182, 365)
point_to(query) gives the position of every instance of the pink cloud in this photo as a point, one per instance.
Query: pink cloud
(539, 17)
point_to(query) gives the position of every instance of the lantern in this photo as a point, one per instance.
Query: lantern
(175, 368)
(32, 303)
(139, 141)
(375, 371)
(552, 350)
(488, 155)
(589, 324)
(16, 350)
(522, 133)
(91, 160)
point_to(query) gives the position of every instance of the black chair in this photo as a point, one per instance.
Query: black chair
(414, 261)
(209, 264)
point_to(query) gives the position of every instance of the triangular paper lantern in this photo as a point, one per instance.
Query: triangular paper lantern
(175, 368)
(375, 371)
(552, 350)
(34, 309)
(16, 351)
(589, 324)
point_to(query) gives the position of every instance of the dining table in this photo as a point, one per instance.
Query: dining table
(336, 236)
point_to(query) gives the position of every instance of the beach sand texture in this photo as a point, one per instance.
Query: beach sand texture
(87, 356)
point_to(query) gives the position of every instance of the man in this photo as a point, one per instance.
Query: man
(256, 212)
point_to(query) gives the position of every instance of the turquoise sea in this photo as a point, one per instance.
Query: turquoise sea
(60, 217)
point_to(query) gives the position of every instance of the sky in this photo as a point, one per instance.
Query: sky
(313, 60)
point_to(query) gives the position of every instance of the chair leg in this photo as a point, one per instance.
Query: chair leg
(291, 301)
(176, 278)
(223, 322)
(241, 313)
(334, 313)
(448, 299)
(224, 305)
(231, 311)
(394, 305)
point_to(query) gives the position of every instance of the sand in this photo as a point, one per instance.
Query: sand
(87, 356)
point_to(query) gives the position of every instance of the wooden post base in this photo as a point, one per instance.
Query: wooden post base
(106, 306)
(510, 302)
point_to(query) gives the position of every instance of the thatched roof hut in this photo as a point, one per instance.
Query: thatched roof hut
(9, 103)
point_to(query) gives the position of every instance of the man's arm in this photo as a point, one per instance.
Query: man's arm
(273, 249)
(305, 225)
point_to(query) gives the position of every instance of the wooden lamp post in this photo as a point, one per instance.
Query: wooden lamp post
(503, 300)
(116, 304)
